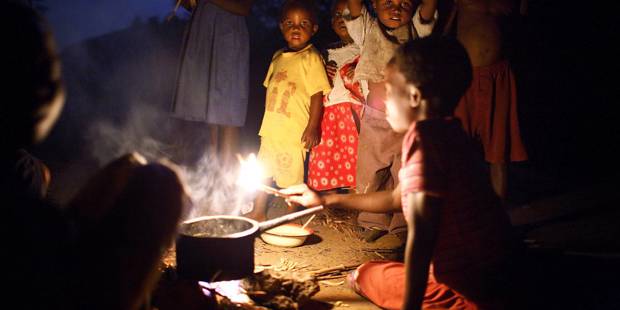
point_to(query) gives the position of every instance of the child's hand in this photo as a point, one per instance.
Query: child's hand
(311, 137)
(301, 194)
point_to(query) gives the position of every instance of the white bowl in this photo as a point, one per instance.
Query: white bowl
(287, 235)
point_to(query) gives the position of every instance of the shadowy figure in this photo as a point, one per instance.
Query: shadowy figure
(101, 251)
(213, 80)
(488, 110)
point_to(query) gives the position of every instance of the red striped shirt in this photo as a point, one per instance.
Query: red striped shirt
(474, 230)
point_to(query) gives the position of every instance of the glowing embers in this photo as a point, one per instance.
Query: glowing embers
(274, 290)
(232, 290)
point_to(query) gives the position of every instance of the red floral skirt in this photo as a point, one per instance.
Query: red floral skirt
(332, 162)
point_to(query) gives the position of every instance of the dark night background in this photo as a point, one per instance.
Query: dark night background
(120, 61)
(120, 58)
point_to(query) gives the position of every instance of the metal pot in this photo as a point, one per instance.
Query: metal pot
(221, 247)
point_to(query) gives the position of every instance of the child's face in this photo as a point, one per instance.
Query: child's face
(297, 28)
(338, 22)
(403, 100)
(393, 13)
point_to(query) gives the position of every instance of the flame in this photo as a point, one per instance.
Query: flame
(230, 289)
(251, 173)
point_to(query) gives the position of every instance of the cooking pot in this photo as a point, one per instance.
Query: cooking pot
(221, 247)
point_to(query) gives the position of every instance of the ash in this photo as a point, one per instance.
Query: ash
(278, 290)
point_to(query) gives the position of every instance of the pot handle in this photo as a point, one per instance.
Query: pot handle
(262, 226)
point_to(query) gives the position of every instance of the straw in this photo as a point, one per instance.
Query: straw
(308, 221)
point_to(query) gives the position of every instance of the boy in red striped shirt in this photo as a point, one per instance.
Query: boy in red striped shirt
(459, 238)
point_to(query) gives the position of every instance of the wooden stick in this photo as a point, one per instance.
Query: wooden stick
(321, 278)
(308, 221)
(272, 191)
(337, 268)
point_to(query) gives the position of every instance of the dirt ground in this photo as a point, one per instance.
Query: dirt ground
(336, 241)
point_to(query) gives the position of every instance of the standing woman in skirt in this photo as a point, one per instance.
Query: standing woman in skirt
(213, 77)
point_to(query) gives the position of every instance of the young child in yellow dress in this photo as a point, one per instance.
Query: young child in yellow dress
(295, 82)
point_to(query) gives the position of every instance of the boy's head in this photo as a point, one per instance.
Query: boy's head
(393, 13)
(425, 79)
(338, 7)
(298, 23)
(33, 93)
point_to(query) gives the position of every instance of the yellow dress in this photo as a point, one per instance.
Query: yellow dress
(293, 78)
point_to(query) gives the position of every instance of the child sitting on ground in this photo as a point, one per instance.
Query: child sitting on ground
(459, 239)
(332, 162)
(378, 160)
(296, 82)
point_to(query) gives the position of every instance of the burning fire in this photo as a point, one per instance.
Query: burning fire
(252, 176)
(251, 173)
(229, 289)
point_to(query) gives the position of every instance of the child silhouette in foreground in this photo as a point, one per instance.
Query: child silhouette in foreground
(102, 250)
(459, 237)
(295, 82)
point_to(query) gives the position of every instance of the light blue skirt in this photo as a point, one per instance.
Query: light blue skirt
(213, 77)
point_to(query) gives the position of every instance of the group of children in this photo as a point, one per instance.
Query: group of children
(381, 109)
(334, 108)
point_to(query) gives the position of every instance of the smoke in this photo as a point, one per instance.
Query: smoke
(119, 90)
(212, 186)
(138, 133)
(215, 189)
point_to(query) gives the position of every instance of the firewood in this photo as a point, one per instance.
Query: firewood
(339, 268)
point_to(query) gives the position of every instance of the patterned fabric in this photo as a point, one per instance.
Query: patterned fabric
(344, 90)
(284, 162)
(333, 161)
(293, 78)
(488, 111)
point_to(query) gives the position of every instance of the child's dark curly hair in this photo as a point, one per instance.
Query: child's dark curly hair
(306, 5)
(439, 67)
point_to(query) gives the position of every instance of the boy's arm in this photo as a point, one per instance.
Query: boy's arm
(427, 11)
(422, 235)
(238, 7)
(450, 23)
(312, 134)
(355, 8)
(376, 202)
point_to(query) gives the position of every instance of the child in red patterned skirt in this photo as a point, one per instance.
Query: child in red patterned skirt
(333, 161)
